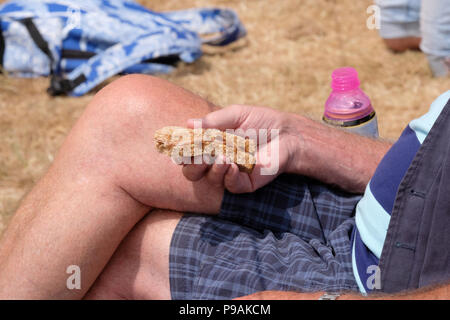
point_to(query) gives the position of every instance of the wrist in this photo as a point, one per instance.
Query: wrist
(294, 141)
(329, 154)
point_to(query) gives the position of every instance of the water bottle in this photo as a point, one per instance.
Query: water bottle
(348, 106)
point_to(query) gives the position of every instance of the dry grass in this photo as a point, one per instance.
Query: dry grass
(285, 62)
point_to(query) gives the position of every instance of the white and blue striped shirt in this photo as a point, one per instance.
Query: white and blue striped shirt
(373, 212)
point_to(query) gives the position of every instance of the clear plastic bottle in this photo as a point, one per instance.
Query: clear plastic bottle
(348, 106)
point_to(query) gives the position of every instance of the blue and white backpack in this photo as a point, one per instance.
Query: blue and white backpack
(80, 43)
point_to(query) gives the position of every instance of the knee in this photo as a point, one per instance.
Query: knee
(131, 97)
(145, 97)
(120, 121)
(137, 103)
(122, 111)
(116, 117)
(394, 45)
(399, 45)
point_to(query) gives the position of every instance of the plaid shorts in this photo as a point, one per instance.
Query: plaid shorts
(291, 235)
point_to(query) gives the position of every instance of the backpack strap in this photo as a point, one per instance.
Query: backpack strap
(39, 40)
(59, 85)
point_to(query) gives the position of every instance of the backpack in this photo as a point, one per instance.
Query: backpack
(82, 43)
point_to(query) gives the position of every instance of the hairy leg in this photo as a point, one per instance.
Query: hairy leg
(117, 132)
(105, 178)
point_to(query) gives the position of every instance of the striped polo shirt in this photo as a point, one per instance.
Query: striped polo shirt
(373, 211)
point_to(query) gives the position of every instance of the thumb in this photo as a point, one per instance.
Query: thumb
(227, 118)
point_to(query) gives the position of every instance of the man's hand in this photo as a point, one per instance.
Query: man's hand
(302, 146)
(274, 156)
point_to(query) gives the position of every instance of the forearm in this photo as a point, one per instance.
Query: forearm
(334, 156)
(430, 293)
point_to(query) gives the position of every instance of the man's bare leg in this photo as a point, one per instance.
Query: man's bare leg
(139, 269)
(105, 178)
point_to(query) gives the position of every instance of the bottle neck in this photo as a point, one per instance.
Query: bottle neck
(343, 85)
(340, 88)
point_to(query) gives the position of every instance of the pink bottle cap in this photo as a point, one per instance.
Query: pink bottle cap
(344, 79)
(347, 102)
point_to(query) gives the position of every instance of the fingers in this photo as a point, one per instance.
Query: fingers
(227, 118)
(217, 172)
(236, 181)
(194, 172)
(214, 173)
(220, 174)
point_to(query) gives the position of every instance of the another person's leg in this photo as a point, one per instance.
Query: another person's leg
(105, 178)
(400, 24)
(435, 26)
